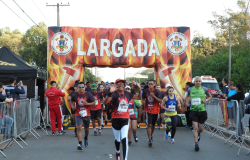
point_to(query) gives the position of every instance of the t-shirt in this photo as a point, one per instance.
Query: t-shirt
(120, 99)
(98, 96)
(230, 93)
(79, 99)
(103, 95)
(133, 103)
(196, 95)
(225, 90)
(2, 98)
(151, 105)
(88, 89)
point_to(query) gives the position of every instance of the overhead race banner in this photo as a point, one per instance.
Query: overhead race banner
(167, 50)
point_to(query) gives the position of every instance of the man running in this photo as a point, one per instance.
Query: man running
(54, 102)
(151, 98)
(198, 114)
(120, 114)
(84, 100)
(96, 109)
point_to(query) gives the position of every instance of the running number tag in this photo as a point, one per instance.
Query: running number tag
(196, 101)
(96, 102)
(131, 112)
(172, 108)
(83, 113)
(123, 106)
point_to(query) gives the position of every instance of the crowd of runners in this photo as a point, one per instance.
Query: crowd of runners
(128, 105)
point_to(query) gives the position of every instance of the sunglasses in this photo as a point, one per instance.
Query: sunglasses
(120, 83)
(80, 86)
(150, 84)
(127, 88)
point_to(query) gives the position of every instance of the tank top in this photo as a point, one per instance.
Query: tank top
(171, 103)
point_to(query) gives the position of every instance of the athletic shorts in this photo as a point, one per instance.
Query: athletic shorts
(73, 112)
(151, 118)
(199, 117)
(118, 123)
(83, 120)
(162, 110)
(231, 112)
(96, 113)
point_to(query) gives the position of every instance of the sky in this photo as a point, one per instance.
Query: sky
(116, 14)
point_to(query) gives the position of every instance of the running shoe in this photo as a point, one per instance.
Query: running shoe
(117, 156)
(172, 140)
(136, 139)
(53, 133)
(138, 126)
(169, 134)
(196, 147)
(103, 126)
(166, 136)
(100, 131)
(106, 123)
(150, 143)
(86, 143)
(60, 133)
(158, 128)
(95, 133)
(129, 143)
(79, 147)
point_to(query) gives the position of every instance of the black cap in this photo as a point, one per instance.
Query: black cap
(12, 79)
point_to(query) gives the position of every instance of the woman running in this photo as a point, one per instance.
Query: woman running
(169, 103)
(134, 104)
(120, 114)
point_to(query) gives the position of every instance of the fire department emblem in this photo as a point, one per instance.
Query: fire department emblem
(177, 43)
(150, 99)
(81, 102)
(62, 43)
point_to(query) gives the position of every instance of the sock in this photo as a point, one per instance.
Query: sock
(80, 142)
(94, 129)
(85, 137)
(102, 120)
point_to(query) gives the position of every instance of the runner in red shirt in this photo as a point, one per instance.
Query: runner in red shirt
(84, 100)
(96, 109)
(120, 114)
(151, 98)
(54, 102)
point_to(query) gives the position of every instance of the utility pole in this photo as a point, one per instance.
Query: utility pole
(58, 10)
(229, 59)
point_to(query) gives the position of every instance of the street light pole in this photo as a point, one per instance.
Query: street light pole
(229, 59)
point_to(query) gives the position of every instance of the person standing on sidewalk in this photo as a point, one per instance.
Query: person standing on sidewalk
(223, 104)
(54, 102)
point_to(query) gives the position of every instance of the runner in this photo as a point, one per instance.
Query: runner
(104, 112)
(73, 111)
(84, 100)
(198, 114)
(134, 104)
(120, 114)
(96, 109)
(169, 103)
(151, 99)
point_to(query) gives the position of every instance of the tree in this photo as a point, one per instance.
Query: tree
(35, 43)
(90, 77)
(12, 40)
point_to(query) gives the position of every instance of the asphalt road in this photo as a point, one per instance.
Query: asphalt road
(101, 147)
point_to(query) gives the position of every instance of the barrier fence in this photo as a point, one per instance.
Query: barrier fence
(228, 119)
(17, 120)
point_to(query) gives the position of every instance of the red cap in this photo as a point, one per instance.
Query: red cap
(122, 80)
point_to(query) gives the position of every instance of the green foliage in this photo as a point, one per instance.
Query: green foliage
(90, 77)
(149, 72)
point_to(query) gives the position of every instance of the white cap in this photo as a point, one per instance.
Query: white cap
(127, 87)
(167, 85)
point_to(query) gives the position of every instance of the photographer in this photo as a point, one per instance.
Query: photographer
(13, 91)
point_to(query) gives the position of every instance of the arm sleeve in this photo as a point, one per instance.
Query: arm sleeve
(19, 91)
(247, 99)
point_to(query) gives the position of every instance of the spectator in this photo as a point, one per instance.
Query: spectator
(4, 119)
(13, 91)
(88, 88)
(231, 109)
(223, 104)
(247, 101)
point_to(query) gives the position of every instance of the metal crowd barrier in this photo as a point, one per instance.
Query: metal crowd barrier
(17, 120)
(225, 118)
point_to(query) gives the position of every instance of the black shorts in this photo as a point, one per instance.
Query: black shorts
(162, 110)
(231, 112)
(83, 120)
(151, 118)
(72, 112)
(199, 117)
(118, 123)
(96, 114)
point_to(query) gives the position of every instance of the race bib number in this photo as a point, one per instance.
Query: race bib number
(172, 108)
(196, 101)
(96, 102)
(122, 108)
(83, 113)
(131, 112)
